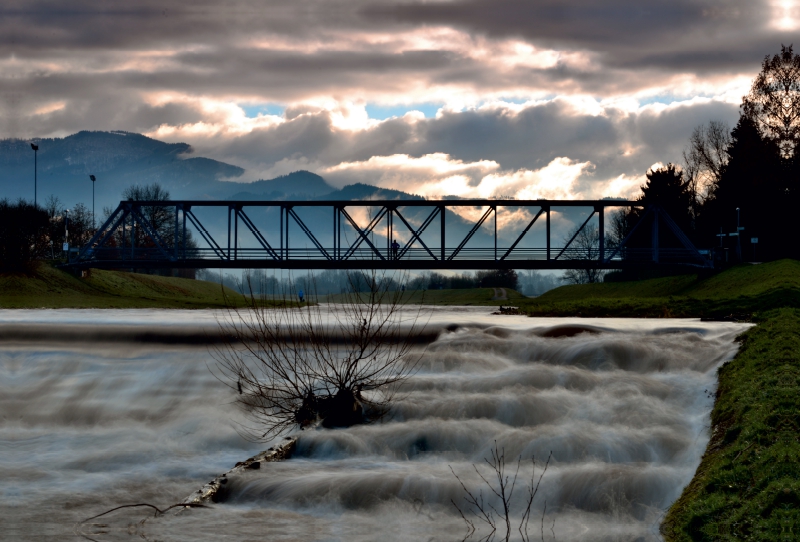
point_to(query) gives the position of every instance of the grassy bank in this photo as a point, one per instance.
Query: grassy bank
(467, 296)
(747, 485)
(741, 291)
(47, 287)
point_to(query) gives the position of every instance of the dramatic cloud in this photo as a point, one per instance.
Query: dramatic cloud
(551, 98)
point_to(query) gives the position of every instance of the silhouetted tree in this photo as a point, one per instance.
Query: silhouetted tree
(773, 103)
(756, 180)
(161, 218)
(705, 159)
(667, 188)
(497, 278)
(80, 225)
(24, 236)
(585, 246)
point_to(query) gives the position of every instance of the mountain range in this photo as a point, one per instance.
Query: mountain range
(121, 159)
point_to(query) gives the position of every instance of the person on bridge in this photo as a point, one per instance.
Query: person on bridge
(395, 247)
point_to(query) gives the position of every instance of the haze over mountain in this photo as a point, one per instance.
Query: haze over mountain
(117, 159)
(121, 159)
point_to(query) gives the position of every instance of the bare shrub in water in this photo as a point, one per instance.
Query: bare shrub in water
(339, 363)
(482, 509)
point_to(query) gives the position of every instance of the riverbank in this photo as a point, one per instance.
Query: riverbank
(741, 292)
(48, 287)
(747, 485)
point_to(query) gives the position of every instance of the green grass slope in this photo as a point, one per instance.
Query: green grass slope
(742, 290)
(47, 287)
(747, 486)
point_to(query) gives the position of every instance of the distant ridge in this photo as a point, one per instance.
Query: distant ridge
(120, 159)
(117, 159)
(298, 185)
(359, 191)
(304, 185)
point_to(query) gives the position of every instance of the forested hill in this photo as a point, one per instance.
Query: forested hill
(121, 159)
(117, 159)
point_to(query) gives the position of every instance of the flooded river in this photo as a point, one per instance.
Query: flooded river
(101, 408)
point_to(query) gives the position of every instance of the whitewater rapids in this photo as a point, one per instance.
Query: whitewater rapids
(91, 423)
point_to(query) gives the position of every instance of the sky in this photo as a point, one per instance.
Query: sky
(474, 98)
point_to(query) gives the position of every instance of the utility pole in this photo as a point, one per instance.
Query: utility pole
(35, 173)
(66, 232)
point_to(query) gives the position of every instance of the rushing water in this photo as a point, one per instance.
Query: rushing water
(94, 416)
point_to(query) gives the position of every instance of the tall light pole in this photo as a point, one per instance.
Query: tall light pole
(93, 178)
(35, 167)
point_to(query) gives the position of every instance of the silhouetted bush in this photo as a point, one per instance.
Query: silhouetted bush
(23, 235)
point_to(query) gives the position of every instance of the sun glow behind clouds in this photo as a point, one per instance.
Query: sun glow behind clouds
(785, 15)
(437, 175)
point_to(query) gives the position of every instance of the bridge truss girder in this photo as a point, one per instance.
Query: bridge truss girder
(363, 252)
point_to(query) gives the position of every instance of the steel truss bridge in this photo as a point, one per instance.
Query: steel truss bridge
(130, 239)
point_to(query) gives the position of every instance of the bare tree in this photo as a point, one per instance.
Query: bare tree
(585, 246)
(338, 364)
(705, 159)
(492, 510)
(161, 218)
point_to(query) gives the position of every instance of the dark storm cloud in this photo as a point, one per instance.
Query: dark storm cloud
(179, 68)
(88, 24)
(631, 32)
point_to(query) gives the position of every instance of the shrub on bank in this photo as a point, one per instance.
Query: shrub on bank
(23, 235)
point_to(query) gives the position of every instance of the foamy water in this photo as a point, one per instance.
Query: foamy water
(88, 425)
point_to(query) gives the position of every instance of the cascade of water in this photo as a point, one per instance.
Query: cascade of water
(622, 404)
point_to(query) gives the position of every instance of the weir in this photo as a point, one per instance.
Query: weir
(375, 234)
(622, 404)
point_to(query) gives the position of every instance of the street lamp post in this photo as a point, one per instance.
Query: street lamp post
(93, 178)
(35, 167)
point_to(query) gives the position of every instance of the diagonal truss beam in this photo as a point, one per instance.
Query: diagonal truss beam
(105, 231)
(521, 235)
(630, 234)
(576, 233)
(681, 236)
(257, 234)
(363, 233)
(290, 211)
(151, 231)
(220, 253)
(472, 232)
(415, 234)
